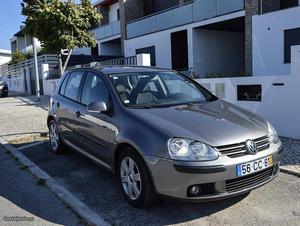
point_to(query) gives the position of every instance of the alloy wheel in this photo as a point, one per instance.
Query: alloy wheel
(131, 178)
(53, 136)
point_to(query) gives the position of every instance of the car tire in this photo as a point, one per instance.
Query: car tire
(54, 137)
(144, 187)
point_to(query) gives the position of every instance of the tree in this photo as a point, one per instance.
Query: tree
(61, 25)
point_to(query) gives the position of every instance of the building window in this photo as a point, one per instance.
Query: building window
(291, 38)
(118, 14)
(284, 4)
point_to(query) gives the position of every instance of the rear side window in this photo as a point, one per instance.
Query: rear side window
(73, 85)
(63, 86)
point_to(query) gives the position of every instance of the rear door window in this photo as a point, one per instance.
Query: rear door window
(73, 85)
(63, 86)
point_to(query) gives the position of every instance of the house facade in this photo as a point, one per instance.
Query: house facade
(253, 44)
(209, 38)
(22, 42)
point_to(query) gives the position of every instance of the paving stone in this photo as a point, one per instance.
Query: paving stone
(291, 156)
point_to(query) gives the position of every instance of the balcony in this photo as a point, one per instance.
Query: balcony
(194, 11)
(108, 30)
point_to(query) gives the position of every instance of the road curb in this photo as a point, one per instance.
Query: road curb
(80, 208)
(289, 171)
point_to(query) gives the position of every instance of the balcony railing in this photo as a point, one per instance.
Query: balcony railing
(194, 11)
(108, 30)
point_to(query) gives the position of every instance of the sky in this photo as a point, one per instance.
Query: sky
(10, 21)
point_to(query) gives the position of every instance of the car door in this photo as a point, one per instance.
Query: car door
(67, 104)
(95, 130)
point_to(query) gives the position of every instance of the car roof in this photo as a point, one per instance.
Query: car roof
(131, 69)
(124, 69)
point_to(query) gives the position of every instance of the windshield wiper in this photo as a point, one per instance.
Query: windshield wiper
(141, 107)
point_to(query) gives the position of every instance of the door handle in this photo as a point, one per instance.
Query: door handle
(57, 105)
(78, 114)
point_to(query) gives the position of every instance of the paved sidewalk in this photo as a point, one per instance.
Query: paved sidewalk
(20, 115)
(290, 161)
(21, 196)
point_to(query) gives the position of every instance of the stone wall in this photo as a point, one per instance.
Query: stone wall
(251, 8)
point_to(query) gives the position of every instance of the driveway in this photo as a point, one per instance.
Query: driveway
(276, 203)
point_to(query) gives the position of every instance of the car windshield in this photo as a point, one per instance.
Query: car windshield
(158, 89)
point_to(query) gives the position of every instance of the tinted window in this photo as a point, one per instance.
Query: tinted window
(291, 38)
(94, 89)
(73, 85)
(63, 86)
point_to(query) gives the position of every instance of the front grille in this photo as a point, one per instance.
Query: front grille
(249, 181)
(239, 149)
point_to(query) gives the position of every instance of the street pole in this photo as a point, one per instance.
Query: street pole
(37, 78)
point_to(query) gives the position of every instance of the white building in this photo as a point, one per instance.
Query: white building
(5, 56)
(273, 35)
(22, 42)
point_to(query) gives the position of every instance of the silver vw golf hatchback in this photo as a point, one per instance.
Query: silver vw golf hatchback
(162, 134)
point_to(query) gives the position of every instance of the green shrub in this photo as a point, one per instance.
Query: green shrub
(17, 57)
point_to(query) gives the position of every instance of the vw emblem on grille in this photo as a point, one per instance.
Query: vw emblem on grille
(251, 147)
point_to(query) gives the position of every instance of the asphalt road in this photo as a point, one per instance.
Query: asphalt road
(21, 196)
(277, 203)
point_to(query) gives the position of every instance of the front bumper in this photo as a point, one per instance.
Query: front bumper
(218, 179)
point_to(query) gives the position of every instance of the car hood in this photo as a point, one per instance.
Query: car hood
(216, 123)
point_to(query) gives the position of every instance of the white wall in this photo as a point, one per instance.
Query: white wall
(162, 43)
(268, 41)
(49, 86)
(280, 104)
(4, 59)
(218, 52)
(15, 83)
(112, 14)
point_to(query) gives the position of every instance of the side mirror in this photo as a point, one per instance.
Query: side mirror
(97, 107)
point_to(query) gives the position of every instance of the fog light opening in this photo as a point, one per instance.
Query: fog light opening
(194, 190)
(197, 190)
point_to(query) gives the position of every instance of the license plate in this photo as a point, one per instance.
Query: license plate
(254, 166)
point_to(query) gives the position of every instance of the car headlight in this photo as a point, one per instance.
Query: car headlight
(190, 150)
(273, 136)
